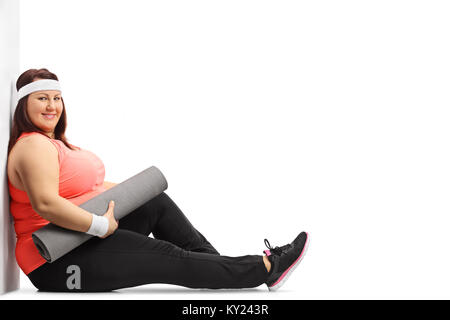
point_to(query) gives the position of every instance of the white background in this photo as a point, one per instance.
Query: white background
(269, 118)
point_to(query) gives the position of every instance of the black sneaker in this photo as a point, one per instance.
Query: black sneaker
(285, 259)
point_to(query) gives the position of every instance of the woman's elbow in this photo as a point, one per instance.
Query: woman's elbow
(44, 207)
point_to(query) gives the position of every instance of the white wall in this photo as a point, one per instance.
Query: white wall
(9, 67)
(269, 118)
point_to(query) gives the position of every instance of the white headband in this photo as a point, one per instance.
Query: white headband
(38, 85)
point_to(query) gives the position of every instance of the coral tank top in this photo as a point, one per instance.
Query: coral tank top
(81, 176)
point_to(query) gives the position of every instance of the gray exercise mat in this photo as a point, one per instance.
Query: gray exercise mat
(53, 241)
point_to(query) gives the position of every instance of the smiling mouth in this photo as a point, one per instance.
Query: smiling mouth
(49, 116)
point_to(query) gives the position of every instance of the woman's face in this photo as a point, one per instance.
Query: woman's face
(44, 109)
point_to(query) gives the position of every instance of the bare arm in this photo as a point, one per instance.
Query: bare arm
(38, 168)
(64, 213)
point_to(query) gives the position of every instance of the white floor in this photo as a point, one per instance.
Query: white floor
(156, 292)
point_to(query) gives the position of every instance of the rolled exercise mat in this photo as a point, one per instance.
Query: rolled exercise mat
(53, 241)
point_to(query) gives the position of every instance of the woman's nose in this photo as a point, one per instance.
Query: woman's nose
(51, 104)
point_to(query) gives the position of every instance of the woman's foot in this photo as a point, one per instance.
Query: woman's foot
(283, 260)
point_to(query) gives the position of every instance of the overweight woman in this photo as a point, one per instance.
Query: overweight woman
(49, 178)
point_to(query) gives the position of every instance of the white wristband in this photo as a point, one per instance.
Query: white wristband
(99, 226)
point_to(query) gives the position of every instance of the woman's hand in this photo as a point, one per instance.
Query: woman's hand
(113, 223)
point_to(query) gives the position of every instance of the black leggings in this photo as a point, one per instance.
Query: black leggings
(178, 254)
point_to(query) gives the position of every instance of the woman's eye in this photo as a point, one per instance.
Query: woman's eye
(56, 98)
